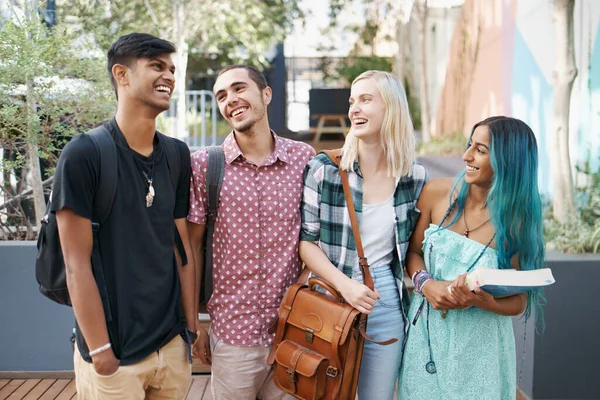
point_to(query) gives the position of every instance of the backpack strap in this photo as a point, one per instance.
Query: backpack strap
(174, 164)
(214, 178)
(103, 201)
(214, 182)
(173, 157)
(108, 163)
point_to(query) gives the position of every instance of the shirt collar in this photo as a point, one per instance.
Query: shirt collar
(233, 151)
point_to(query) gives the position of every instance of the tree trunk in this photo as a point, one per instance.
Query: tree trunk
(39, 202)
(181, 59)
(399, 60)
(564, 75)
(423, 77)
(464, 50)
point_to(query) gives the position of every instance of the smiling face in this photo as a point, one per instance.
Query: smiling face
(240, 100)
(367, 109)
(477, 158)
(149, 81)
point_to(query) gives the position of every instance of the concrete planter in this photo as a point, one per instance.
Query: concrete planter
(35, 331)
(562, 361)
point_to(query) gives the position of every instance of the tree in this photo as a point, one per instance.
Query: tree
(564, 75)
(421, 12)
(243, 31)
(48, 92)
(400, 12)
(462, 61)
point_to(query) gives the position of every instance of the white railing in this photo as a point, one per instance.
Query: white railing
(192, 96)
(201, 109)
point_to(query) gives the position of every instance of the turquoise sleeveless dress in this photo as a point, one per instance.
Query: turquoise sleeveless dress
(473, 349)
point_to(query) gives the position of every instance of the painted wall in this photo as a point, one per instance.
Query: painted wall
(34, 331)
(514, 75)
(559, 361)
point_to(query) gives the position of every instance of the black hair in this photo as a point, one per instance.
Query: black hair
(253, 73)
(134, 46)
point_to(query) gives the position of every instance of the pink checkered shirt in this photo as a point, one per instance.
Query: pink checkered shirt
(255, 242)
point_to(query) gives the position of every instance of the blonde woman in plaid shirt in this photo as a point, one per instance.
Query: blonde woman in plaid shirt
(379, 155)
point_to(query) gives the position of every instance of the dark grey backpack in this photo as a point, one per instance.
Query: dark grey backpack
(50, 269)
(214, 182)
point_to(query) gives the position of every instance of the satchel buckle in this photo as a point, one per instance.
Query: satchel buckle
(361, 325)
(291, 375)
(309, 335)
(332, 371)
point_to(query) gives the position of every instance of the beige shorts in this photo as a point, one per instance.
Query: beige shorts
(165, 374)
(240, 373)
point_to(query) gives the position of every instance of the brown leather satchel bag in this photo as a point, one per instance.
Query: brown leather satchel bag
(319, 342)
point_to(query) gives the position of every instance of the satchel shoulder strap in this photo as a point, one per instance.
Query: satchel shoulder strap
(336, 156)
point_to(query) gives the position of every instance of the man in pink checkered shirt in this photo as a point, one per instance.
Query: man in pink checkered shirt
(255, 242)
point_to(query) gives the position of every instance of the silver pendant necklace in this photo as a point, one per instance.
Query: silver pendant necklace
(151, 193)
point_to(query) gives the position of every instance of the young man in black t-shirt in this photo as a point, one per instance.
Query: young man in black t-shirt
(130, 346)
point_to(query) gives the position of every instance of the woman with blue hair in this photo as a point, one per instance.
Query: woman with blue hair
(460, 343)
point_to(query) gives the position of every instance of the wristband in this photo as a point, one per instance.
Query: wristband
(420, 280)
(100, 349)
(412, 278)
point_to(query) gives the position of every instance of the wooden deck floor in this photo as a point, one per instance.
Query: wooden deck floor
(64, 389)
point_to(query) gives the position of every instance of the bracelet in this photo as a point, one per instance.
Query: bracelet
(100, 349)
(412, 278)
(420, 280)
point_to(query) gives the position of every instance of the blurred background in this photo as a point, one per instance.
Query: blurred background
(461, 61)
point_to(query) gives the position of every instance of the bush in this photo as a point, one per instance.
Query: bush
(52, 86)
(449, 145)
(581, 234)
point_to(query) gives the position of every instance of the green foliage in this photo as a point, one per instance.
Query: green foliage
(445, 145)
(350, 67)
(194, 124)
(51, 87)
(48, 90)
(222, 32)
(414, 105)
(355, 65)
(589, 195)
(582, 233)
(574, 236)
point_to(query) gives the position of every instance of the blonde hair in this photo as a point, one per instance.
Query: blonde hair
(397, 132)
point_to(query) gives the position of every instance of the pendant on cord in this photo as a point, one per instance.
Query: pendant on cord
(150, 194)
(430, 367)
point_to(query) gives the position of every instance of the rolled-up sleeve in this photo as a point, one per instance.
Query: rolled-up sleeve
(420, 178)
(311, 201)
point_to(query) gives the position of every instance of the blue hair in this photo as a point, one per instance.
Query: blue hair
(513, 201)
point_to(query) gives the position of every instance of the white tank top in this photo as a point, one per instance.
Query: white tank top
(376, 225)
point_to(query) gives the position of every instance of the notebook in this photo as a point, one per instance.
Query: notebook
(507, 282)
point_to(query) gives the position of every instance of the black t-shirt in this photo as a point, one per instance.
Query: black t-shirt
(135, 243)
